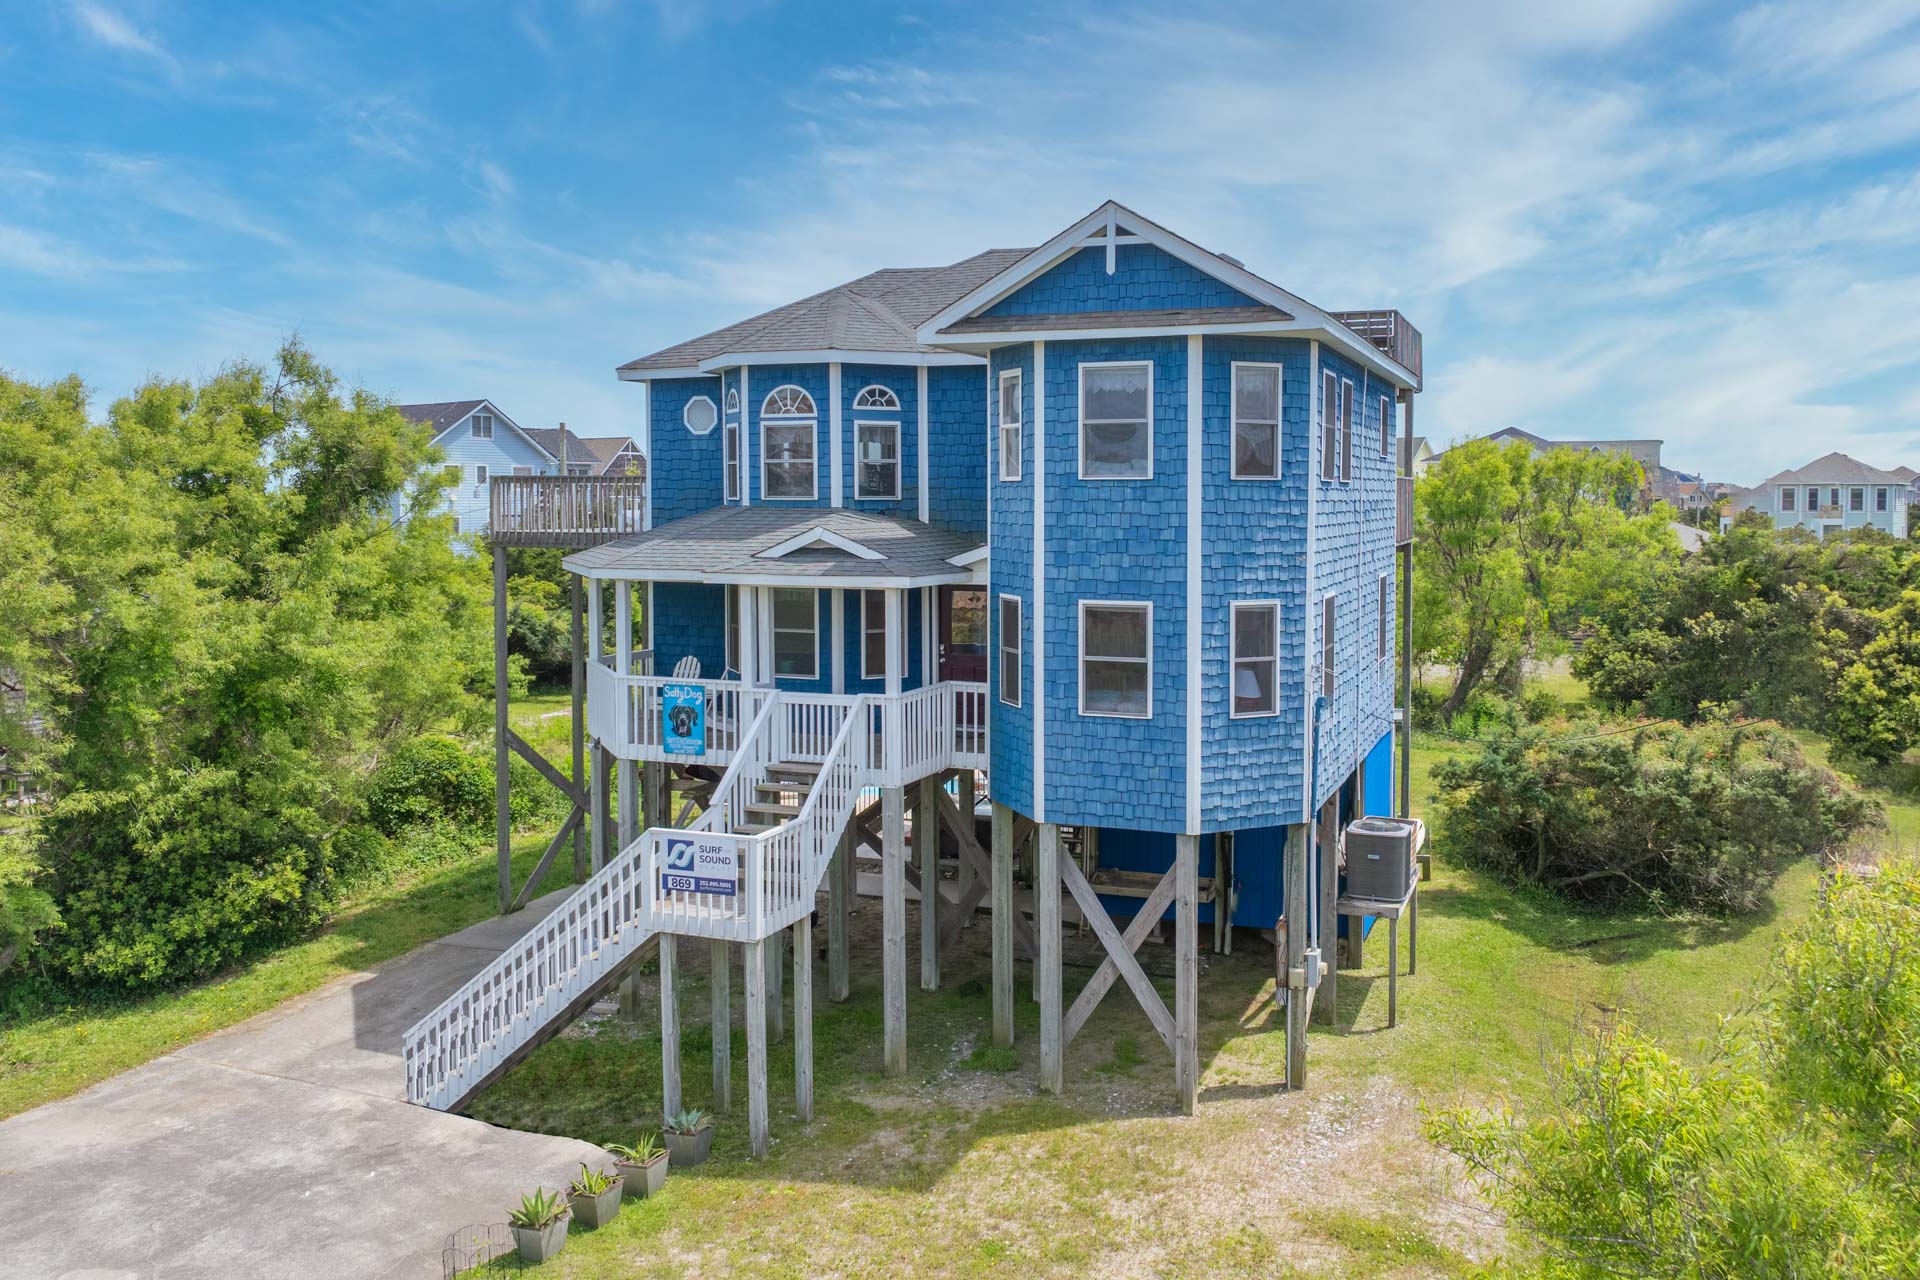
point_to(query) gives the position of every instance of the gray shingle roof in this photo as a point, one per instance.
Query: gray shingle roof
(597, 450)
(1835, 468)
(723, 545)
(1176, 318)
(439, 415)
(877, 312)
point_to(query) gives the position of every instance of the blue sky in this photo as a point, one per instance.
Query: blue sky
(1648, 218)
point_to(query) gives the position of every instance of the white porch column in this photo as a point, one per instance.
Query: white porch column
(596, 754)
(623, 665)
(746, 603)
(896, 661)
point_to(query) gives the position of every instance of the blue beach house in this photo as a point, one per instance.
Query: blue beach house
(1099, 536)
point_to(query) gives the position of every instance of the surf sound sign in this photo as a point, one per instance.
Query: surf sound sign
(702, 863)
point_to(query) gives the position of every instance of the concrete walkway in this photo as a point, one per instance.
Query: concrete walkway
(283, 1146)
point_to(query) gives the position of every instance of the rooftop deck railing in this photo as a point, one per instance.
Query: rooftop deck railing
(564, 511)
(1389, 331)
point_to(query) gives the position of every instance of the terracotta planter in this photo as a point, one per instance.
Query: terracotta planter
(644, 1180)
(597, 1211)
(689, 1149)
(537, 1244)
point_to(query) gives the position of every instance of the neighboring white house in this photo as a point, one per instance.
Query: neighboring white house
(1831, 493)
(479, 442)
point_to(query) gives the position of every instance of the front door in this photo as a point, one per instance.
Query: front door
(963, 634)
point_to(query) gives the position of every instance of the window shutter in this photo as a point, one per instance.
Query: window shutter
(1329, 411)
(1326, 646)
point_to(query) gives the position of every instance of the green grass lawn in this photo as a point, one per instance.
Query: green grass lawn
(58, 1052)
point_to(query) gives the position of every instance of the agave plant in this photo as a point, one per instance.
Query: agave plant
(645, 1150)
(691, 1120)
(539, 1210)
(591, 1182)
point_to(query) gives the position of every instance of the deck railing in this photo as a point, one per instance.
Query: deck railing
(564, 511)
(1389, 331)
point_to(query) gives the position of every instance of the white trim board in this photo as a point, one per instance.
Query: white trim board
(819, 536)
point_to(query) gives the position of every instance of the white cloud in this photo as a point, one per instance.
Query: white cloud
(114, 31)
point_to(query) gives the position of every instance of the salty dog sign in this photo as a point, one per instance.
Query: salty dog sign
(701, 864)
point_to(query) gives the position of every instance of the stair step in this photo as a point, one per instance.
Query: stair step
(778, 809)
(781, 788)
(798, 769)
(751, 828)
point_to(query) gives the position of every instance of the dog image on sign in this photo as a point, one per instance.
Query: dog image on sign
(683, 716)
(701, 864)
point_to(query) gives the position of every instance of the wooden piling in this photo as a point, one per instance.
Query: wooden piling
(1292, 962)
(755, 964)
(669, 1026)
(720, 985)
(577, 638)
(776, 951)
(1186, 981)
(803, 1018)
(839, 902)
(926, 848)
(1046, 911)
(1003, 910)
(502, 805)
(893, 929)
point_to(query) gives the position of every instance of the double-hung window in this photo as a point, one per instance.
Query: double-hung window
(1116, 421)
(1011, 408)
(1833, 497)
(877, 473)
(1856, 499)
(1386, 426)
(1346, 432)
(796, 630)
(1256, 659)
(730, 448)
(787, 446)
(1786, 499)
(482, 426)
(1386, 613)
(1116, 659)
(873, 635)
(1326, 645)
(1329, 428)
(1256, 421)
(1879, 499)
(480, 475)
(1813, 499)
(1010, 650)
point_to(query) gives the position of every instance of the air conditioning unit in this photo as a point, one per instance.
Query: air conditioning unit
(1380, 857)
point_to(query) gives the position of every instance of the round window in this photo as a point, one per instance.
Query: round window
(700, 415)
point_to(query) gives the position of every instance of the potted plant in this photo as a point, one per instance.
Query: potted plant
(594, 1197)
(539, 1225)
(689, 1137)
(643, 1165)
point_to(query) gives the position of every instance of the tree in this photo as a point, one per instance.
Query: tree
(1514, 552)
(230, 628)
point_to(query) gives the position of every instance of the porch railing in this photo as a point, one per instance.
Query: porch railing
(1390, 332)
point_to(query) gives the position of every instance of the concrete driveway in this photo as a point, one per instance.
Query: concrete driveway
(283, 1146)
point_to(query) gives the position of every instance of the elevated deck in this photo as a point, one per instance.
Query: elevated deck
(572, 512)
(1392, 333)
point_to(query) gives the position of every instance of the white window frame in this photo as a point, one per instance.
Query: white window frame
(730, 460)
(1788, 498)
(1346, 431)
(1813, 499)
(1017, 426)
(1860, 492)
(1386, 636)
(733, 400)
(1329, 425)
(876, 399)
(1234, 660)
(1016, 650)
(1136, 605)
(730, 637)
(1233, 420)
(867, 649)
(1386, 426)
(686, 415)
(775, 630)
(811, 422)
(1081, 409)
(522, 471)
(1329, 650)
(480, 474)
(473, 426)
(1880, 500)
(859, 464)
(1833, 495)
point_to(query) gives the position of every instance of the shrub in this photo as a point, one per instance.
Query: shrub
(432, 778)
(1789, 1153)
(1661, 816)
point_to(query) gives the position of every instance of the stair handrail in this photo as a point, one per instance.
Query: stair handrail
(750, 758)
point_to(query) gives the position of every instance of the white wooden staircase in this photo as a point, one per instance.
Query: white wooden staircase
(783, 804)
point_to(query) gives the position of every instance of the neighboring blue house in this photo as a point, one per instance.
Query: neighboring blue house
(1112, 522)
(480, 442)
(1831, 494)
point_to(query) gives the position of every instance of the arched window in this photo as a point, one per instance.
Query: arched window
(733, 399)
(787, 402)
(877, 397)
(787, 444)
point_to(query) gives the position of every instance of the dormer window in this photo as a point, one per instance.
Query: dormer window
(483, 426)
(1116, 421)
